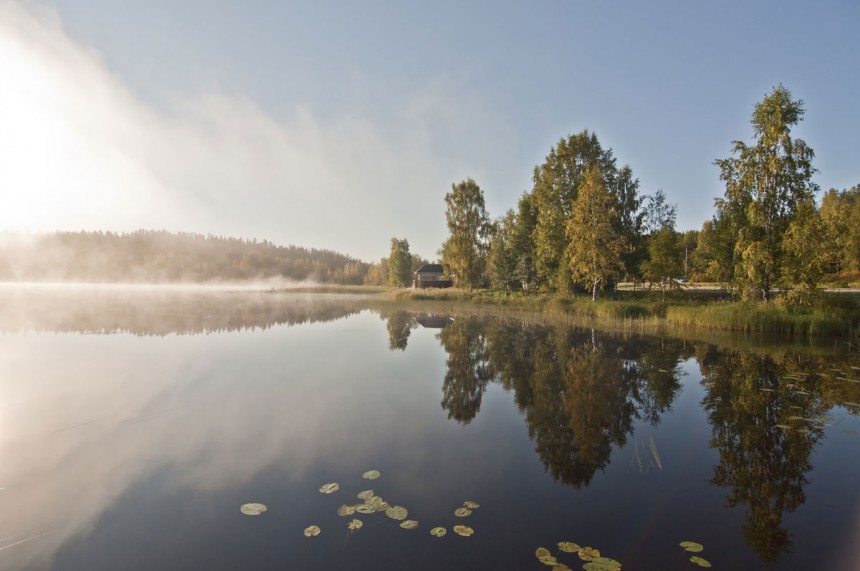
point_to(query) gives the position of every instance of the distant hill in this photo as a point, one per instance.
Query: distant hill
(147, 256)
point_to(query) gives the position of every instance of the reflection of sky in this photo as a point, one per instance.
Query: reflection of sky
(121, 451)
(85, 418)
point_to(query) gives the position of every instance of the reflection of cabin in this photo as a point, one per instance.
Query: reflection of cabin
(430, 275)
(434, 321)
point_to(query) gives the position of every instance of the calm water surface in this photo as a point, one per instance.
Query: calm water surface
(133, 426)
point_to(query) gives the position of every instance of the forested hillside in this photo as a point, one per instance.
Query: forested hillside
(159, 256)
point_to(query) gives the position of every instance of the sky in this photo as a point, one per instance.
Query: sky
(342, 124)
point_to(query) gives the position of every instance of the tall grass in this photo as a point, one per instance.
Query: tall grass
(687, 312)
(757, 318)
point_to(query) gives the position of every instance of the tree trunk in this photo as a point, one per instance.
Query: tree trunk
(594, 290)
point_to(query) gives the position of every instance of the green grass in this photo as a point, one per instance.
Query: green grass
(834, 316)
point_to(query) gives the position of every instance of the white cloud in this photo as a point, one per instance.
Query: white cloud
(78, 150)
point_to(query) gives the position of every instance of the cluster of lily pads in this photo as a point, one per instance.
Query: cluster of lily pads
(591, 558)
(372, 503)
(693, 547)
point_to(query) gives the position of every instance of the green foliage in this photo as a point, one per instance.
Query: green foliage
(594, 248)
(501, 265)
(465, 251)
(399, 264)
(556, 187)
(665, 261)
(765, 184)
(840, 212)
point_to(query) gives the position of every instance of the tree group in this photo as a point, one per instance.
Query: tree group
(584, 224)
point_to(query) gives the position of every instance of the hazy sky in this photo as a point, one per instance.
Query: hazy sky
(341, 124)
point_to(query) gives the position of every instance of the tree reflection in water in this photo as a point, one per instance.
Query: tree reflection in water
(581, 392)
(750, 399)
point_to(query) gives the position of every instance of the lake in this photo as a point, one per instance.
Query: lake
(135, 423)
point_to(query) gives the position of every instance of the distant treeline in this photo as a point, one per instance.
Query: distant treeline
(160, 256)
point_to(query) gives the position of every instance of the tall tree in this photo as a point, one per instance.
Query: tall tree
(501, 265)
(522, 242)
(465, 250)
(665, 259)
(556, 186)
(594, 248)
(840, 212)
(657, 213)
(399, 263)
(765, 183)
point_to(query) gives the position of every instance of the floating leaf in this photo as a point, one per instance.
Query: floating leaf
(568, 547)
(364, 509)
(397, 512)
(463, 530)
(345, 510)
(371, 475)
(329, 488)
(462, 512)
(692, 546)
(588, 553)
(409, 524)
(381, 506)
(374, 501)
(561, 567)
(438, 531)
(312, 531)
(545, 557)
(602, 564)
(364, 495)
(699, 561)
(253, 509)
(354, 525)
(471, 505)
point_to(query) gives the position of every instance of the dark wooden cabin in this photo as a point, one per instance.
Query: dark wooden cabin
(431, 275)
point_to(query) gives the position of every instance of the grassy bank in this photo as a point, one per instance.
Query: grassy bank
(836, 315)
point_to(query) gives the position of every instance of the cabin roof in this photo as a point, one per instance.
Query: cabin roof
(430, 269)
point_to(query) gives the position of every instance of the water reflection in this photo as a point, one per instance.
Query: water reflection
(162, 311)
(766, 419)
(579, 391)
(84, 419)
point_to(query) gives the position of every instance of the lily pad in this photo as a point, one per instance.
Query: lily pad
(699, 561)
(409, 524)
(463, 530)
(588, 553)
(312, 531)
(371, 475)
(561, 567)
(438, 531)
(462, 512)
(397, 512)
(364, 509)
(329, 488)
(692, 546)
(568, 547)
(602, 564)
(471, 505)
(545, 557)
(253, 509)
(354, 525)
(345, 510)
(364, 495)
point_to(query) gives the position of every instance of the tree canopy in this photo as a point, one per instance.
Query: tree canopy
(465, 251)
(766, 182)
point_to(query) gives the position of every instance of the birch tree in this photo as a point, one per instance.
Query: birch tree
(594, 248)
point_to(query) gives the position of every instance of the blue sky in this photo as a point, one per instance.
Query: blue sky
(341, 124)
